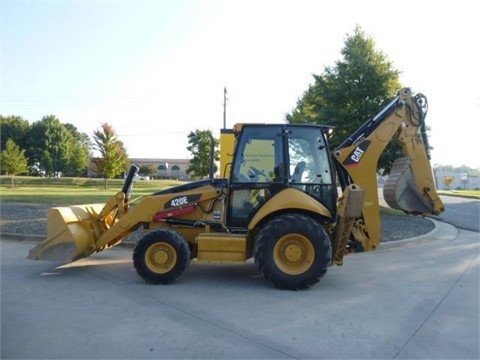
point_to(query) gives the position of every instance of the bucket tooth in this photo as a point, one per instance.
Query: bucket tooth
(400, 191)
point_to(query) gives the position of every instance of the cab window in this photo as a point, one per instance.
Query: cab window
(309, 157)
(258, 171)
(260, 157)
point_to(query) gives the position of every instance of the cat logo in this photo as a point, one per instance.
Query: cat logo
(356, 155)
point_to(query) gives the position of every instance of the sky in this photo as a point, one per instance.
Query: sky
(156, 70)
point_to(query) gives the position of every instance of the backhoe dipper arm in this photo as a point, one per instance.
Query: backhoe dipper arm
(410, 186)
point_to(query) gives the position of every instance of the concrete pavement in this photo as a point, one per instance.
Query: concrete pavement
(417, 298)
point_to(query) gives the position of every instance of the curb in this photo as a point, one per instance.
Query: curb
(22, 237)
(441, 231)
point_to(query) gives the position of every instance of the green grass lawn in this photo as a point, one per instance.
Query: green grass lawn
(464, 193)
(71, 191)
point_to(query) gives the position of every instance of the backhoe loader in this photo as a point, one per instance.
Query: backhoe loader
(288, 202)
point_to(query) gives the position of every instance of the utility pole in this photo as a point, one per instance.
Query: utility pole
(225, 107)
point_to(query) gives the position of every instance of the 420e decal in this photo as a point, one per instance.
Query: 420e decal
(182, 200)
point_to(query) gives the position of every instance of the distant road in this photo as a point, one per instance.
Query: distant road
(461, 212)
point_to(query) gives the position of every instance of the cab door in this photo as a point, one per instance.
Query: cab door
(311, 168)
(259, 170)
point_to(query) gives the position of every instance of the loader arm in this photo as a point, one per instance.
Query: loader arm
(76, 232)
(410, 186)
(150, 207)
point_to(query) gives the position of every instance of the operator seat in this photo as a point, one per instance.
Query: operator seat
(298, 172)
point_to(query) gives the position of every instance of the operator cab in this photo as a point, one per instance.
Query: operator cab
(270, 158)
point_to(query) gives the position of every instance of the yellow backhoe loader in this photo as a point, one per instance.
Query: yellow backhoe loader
(288, 202)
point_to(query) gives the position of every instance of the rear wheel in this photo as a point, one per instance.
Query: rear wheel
(292, 251)
(161, 256)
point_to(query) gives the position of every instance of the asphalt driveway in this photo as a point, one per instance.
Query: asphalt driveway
(409, 299)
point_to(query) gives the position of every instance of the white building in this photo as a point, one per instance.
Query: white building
(165, 168)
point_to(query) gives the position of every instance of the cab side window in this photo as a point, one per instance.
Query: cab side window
(309, 158)
(260, 158)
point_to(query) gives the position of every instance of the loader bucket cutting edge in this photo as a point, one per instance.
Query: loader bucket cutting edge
(400, 192)
(70, 234)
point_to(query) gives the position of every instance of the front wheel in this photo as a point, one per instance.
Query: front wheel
(161, 256)
(292, 251)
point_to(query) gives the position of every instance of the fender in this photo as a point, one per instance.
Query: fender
(289, 199)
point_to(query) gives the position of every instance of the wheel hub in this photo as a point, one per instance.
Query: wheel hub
(161, 258)
(294, 254)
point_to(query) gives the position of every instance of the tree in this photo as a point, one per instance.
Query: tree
(147, 170)
(80, 153)
(461, 169)
(200, 148)
(346, 95)
(113, 159)
(14, 161)
(57, 149)
(15, 128)
(49, 145)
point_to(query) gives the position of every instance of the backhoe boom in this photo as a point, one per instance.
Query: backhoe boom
(410, 186)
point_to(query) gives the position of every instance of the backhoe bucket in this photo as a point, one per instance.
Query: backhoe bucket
(71, 234)
(400, 191)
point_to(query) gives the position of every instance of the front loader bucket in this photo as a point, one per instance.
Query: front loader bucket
(400, 191)
(71, 234)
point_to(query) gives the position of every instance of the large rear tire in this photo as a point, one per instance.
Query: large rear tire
(292, 251)
(161, 256)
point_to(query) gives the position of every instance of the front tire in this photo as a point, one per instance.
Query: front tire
(292, 251)
(161, 256)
